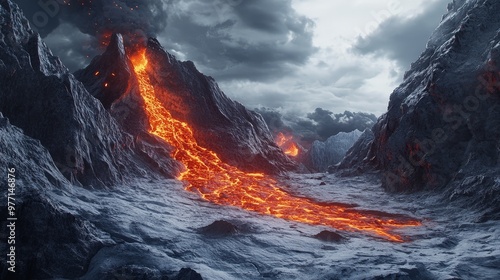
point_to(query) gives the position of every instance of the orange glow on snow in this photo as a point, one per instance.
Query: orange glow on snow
(222, 184)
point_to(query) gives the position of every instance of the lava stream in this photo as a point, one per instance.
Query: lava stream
(223, 184)
(287, 145)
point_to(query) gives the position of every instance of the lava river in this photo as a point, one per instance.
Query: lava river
(223, 184)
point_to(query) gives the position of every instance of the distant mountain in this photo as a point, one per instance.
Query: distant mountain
(332, 151)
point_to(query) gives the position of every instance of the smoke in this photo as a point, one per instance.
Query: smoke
(318, 125)
(136, 20)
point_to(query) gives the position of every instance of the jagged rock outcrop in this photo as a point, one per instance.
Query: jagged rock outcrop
(442, 127)
(67, 139)
(109, 74)
(39, 95)
(332, 151)
(42, 225)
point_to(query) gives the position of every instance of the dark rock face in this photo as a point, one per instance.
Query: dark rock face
(352, 160)
(49, 104)
(42, 225)
(108, 75)
(67, 138)
(442, 125)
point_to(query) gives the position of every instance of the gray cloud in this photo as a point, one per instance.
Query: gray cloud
(318, 125)
(254, 40)
(403, 39)
(95, 17)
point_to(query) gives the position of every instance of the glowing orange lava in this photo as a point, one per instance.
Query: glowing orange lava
(287, 145)
(223, 184)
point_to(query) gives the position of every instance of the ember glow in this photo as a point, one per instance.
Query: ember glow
(287, 145)
(223, 184)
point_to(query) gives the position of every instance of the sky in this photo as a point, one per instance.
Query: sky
(290, 55)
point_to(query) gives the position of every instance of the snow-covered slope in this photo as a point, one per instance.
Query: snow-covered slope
(332, 151)
(442, 127)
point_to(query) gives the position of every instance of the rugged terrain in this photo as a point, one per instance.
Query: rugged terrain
(441, 131)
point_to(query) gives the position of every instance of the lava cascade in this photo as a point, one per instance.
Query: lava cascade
(223, 184)
(287, 145)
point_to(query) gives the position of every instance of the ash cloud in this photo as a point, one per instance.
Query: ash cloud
(65, 24)
(318, 125)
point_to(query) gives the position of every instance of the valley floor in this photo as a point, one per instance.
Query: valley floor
(157, 224)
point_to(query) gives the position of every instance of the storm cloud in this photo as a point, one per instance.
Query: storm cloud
(402, 39)
(65, 23)
(254, 40)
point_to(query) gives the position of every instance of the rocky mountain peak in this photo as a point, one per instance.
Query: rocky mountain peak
(441, 128)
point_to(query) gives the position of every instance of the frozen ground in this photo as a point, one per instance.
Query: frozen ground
(157, 224)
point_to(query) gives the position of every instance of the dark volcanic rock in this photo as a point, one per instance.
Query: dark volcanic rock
(107, 76)
(188, 274)
(442, 127)
(50, 242)
(329, 236)
(219, 228)
(110, 78)
(351, 162)
(38, 95)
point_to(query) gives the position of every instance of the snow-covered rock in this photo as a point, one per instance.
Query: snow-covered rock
(42, 225)
(333, 150)
(40, 96)
(442, 128)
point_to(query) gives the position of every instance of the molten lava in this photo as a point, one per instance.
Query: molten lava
(223, 184)
(287, 145)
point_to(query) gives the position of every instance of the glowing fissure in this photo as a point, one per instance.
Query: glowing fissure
(287, 145)
(223, 184)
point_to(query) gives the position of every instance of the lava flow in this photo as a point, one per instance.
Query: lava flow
(287, 145)
(223, 184)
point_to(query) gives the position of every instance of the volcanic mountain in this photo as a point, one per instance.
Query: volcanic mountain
(57, 135)
(442, 127)
(239, 136)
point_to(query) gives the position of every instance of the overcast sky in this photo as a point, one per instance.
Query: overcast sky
(295, 55)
